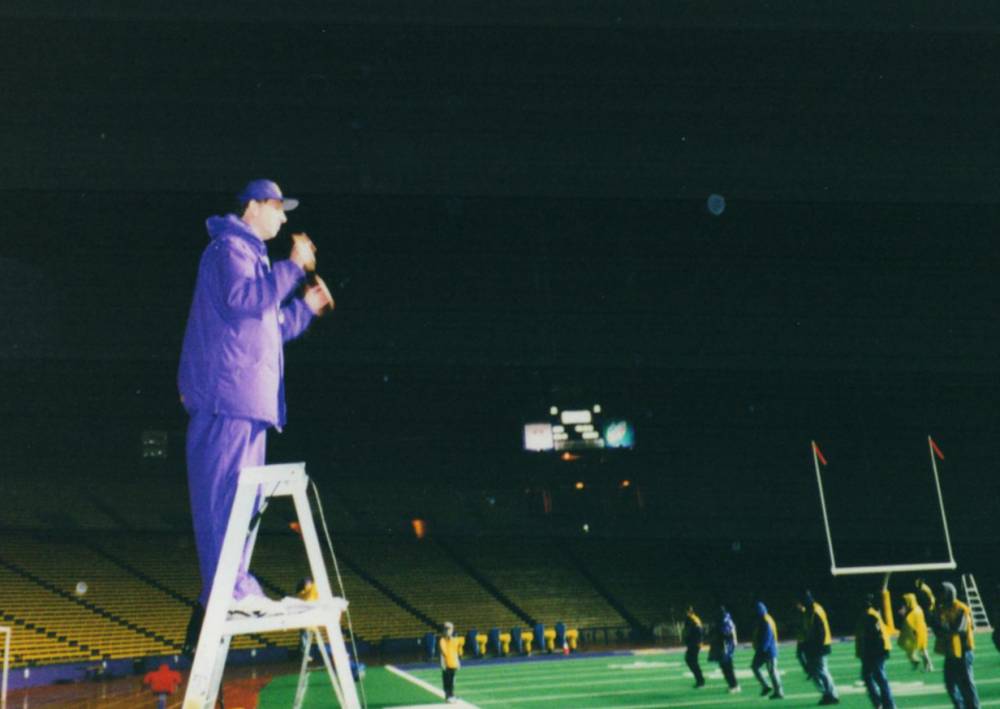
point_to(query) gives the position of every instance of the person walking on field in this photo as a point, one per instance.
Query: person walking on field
(693, 636)
(953, 627)
(913, 633)
(765, 647)
(723, 647)
(816, 648)
(871, 646)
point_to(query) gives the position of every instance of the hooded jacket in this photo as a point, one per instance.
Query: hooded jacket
(954, 625)
(818, 637)
(913, 630)
(765, 633)
(723, 639)
(232, 361)
(871, 640)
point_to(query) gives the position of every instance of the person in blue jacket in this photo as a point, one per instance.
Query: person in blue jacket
(231, 375)
(723, 646)
(765, 652)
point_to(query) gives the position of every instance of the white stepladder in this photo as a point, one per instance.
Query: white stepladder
(220, 625)
(980, 621)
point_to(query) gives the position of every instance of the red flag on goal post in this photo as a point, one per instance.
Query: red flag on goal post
(934, 447)
(818, 458)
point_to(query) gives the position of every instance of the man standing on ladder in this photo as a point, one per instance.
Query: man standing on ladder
(231, 376)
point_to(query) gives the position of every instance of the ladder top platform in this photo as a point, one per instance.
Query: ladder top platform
(321, 615)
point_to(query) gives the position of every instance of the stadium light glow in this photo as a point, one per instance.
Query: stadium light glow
(419, 528)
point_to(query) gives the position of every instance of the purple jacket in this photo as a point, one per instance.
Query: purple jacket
(232, 362)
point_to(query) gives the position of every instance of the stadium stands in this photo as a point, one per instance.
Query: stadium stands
(540, 579)
(423, 574)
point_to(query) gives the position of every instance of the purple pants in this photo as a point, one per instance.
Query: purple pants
(218, 447)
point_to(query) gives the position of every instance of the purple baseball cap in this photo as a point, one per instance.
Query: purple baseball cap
(261, 190)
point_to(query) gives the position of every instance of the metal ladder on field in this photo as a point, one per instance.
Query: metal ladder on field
(220, 624)
(980, 621)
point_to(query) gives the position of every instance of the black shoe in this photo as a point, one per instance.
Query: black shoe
(777, 695)
(765, 691)
(828, 699)
(699, 685)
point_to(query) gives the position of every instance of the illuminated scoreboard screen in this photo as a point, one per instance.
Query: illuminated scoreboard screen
(577, 430)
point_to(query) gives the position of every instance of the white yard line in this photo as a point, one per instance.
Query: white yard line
(429, 687)
(415, 680)
(644, 679)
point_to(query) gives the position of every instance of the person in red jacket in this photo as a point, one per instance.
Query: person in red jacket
(163, 682)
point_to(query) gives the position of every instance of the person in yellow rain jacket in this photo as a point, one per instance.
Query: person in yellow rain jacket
(913, 633)
(871, 646)
(450, 661)
(925, 597)
(693, 636)
(816, 648)
(954, 639)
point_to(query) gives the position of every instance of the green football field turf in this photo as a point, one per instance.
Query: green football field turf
(648, 680)
(382, 689)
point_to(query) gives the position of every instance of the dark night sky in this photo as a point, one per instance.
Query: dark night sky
(513, 203)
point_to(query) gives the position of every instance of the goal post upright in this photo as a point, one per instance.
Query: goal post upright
(822, 504)
(933, 449)
(6, 664)
(886, 569)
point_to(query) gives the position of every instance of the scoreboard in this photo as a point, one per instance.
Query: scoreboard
(578, 430)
